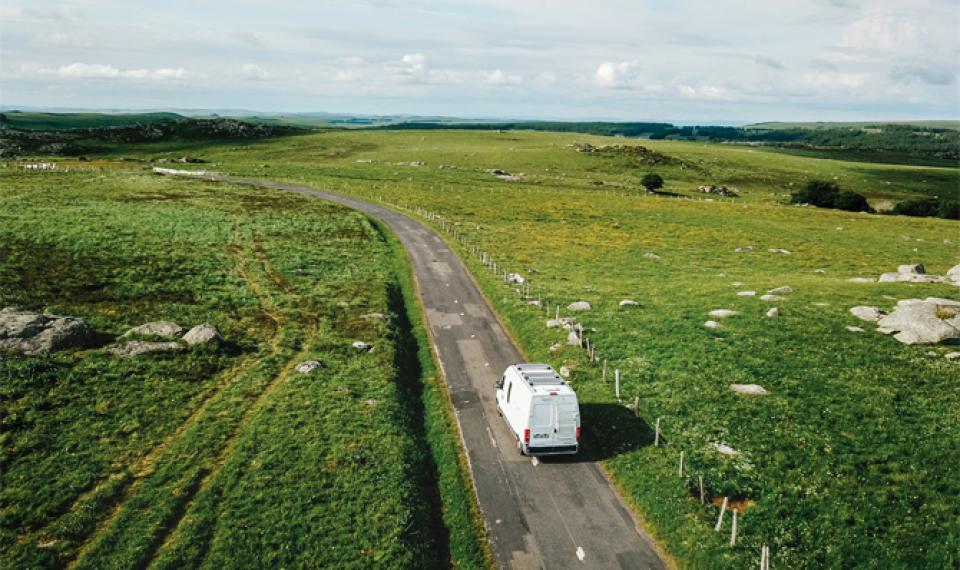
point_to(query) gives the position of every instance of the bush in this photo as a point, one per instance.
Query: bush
(929, 208)
(828, 195)
(652, 182)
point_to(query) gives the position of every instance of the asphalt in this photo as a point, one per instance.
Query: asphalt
(546, 513)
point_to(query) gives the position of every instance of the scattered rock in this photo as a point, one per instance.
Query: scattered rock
(651, 255)
(912, 273)
(746, 293)
(138, 347)
(913, 268)
(629, 303)
(722, 313)
(712, 324)
(360, 345)
(564, 372)
(861, 280)
(855, 329)
(515, 278)
(953, 275)
(952, 355)
(751, 389)
(774, 312)
(933, 320)
(309, 366)
(864, 313)
(371, 402)
(535, 303)
(771, 298)
(885, 330)
(203, 334)
(781, 290)
(718, 190)
(35, 333)
(780, 250)
(555, 347)
(573, 339)
(166, 329)
(724, 449)
(819, 270)
(579, 306)
(744, 249)
(554, 323)
(377, 316)
(736, 283)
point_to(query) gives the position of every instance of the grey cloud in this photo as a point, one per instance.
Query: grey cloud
(919, 73)
(769, 62)
(247, 37)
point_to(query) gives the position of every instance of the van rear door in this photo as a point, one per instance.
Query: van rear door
(568, 415)
(542, 420)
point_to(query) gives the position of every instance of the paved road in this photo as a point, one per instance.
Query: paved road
(539, 514)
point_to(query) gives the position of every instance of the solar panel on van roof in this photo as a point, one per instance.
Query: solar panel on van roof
(537, 374)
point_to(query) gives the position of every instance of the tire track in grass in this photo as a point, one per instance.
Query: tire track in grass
(184, 488)
(111, 492)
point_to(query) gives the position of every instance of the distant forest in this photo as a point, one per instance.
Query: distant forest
(943, 144)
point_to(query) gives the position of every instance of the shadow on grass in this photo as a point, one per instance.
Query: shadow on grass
(608, 431)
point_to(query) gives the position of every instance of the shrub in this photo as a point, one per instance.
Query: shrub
(652, 182)
(928, 207)
(851, 202)
(828, 195)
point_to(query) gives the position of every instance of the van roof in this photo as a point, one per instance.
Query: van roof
(539, 375)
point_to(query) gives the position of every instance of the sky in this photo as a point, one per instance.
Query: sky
(673, 60)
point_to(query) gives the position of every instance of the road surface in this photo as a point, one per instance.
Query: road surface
(539, 514)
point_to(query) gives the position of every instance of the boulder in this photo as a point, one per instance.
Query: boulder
(554, 323)
(579, 306)
(744, 249)
(910, 278)
(34, 333)
(771, 298)
(724, 449)
(573, 339)
(746, 293)
(516, 278)
(872, 314)
(913, 269)
(535, 303)
(722, 313)
(712, 324)
(360, 345)
(166, 329)
(138, 347)
(780, 250)
(308, 366)
(564, 372)
(930, 321)
(781, 290)
(629, 303)
(861, 280)
(953, 275)
(952, 355)
(774, 312)
(203, 334)
(750, 389)
(651, 255)
(555, 347)
(376, 316)
(854, 329)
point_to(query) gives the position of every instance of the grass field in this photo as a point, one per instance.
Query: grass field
(37, 121)
(953, 125)
(847, 463)
(220, 457)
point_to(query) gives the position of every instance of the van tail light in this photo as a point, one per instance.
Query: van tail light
(578, 434)
(526, 435)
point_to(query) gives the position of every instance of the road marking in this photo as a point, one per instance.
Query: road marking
(493, 441)
(580, 553)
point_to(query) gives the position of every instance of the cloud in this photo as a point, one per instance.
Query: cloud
(414, 64)
(613, 74)
(253, 72)
(923, 74)
(246, 37)
(769, 62)
(498, 77)
(881, 30)
(709, 92)
(105, 71)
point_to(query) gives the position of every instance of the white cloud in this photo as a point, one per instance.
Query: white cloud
(709, 92)
(880, 30)
(246, 37)
(613, 74)
(498, 77)
(105, 71)
(253, 72)
(414, 64)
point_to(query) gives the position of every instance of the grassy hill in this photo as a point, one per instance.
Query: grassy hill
(820, 125)
(219, 457)
(37, 121)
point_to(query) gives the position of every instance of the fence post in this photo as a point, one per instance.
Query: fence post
(723, 509)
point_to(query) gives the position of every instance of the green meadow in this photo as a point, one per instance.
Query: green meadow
(847, 462)
(223, 456)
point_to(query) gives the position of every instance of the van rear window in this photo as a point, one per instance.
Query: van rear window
(542, 415)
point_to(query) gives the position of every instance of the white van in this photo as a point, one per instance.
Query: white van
(540, 408)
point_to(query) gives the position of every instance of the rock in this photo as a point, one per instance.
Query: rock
(781, 290)
(516, 278)
(930, 321)
(771, 298)
(910, 278)
(579, 306)
(712, 324)
(724, 449)
(746, 293)
(855, 329)
(203, 334)
(861, 280)
(953, 275)
(751, 389)
(885, 330)
(744, 249)
(138, 347)
(774, 312)
(629, 303)
(564, 372)
(736, 283)
(308, 366)
(651, 255)
(370, 402)
(573, 339)
(722, 313)
(554, 323)
(952, 355)
(360, 345)
(864, 313)
(377, 316)
(555, 347)
(35, 333)
(780, 250)
(913, 269)
(535, 303)
(819, 271)
(166, 329)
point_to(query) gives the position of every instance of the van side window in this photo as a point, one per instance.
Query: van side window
(509, 389)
